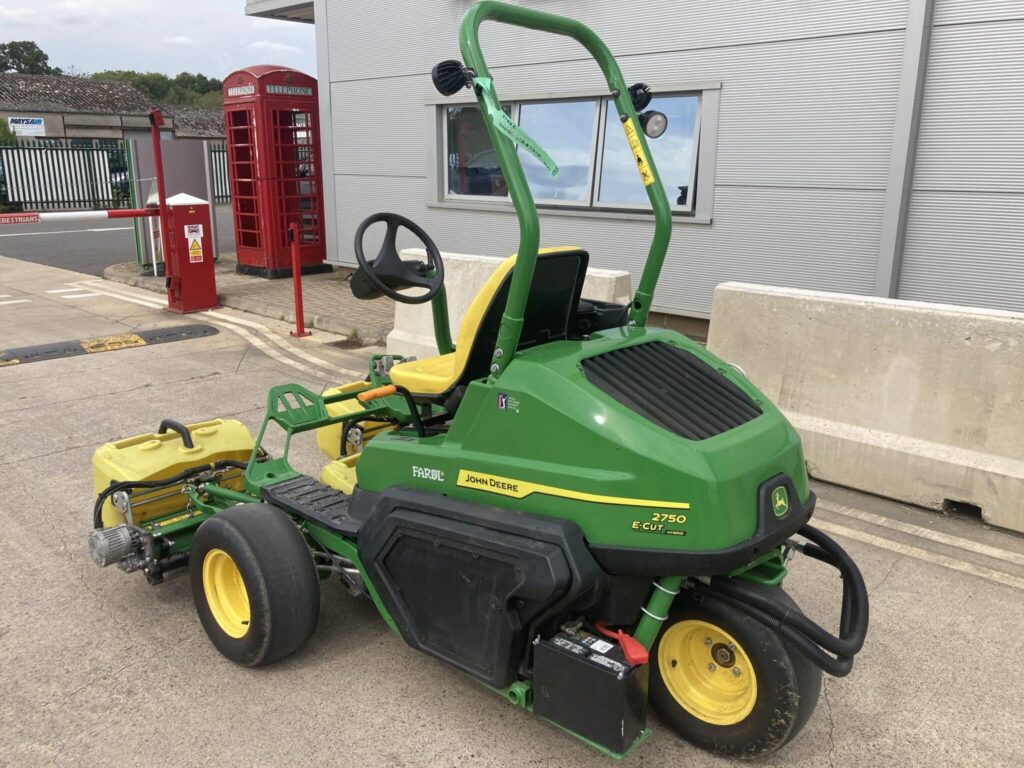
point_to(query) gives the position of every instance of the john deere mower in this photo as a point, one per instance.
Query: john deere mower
(582, 513)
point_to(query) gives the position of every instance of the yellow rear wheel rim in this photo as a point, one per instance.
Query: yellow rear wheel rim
(225, 593)
(707, 672)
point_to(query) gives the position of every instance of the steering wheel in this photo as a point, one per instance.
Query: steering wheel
(388, 273)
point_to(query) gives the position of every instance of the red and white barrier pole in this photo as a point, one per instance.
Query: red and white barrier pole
(35, 218)
(300, 320)
(156, 119)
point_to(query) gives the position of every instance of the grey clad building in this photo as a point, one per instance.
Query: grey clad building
(860, 146)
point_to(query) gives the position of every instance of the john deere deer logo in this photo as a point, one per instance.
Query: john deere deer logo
(780, 501)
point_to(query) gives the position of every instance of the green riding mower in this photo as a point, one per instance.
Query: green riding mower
(582, 513)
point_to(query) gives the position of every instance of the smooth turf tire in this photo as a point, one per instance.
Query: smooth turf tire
(785, 691)
(808, 675)
(254, 584)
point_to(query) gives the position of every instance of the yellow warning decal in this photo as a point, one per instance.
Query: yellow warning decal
(519, 489)
(646, 174)
(111, 343)
(195, 251)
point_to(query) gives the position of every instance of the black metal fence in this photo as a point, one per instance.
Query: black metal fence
(52, 174)
(221, 184)
(76, 174)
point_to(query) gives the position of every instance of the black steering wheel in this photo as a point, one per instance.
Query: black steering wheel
(388, 273)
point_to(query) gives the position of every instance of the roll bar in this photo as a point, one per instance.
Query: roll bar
(519, 190)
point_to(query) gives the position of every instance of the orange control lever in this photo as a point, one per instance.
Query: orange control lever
(373, 394)
(632, 649)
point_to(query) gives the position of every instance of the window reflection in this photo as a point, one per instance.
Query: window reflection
(565, 129)
(672, 152)
(472, 162)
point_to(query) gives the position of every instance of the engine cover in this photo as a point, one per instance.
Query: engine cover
(469, 584)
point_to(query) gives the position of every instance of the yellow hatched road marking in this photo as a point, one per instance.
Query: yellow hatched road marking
(109, 343)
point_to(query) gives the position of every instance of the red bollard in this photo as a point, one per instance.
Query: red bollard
(300, 321)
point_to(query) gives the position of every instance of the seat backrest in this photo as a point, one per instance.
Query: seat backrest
(554, 296)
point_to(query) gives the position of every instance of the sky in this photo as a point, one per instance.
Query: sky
(211, 37)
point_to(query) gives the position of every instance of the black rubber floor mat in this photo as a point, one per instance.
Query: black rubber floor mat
(314, 501)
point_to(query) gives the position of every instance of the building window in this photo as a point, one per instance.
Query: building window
(472, 166)
(568, 132)
(585, 139)
(675, 153)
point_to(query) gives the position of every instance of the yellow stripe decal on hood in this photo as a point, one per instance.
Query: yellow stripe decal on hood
(519, 489)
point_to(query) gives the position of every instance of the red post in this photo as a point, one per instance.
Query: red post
(156, 119)
(300, 321)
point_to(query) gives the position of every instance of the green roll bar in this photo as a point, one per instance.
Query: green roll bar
(522, 198)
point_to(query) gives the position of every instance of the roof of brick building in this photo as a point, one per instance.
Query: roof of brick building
(62, 93)
(197, 122)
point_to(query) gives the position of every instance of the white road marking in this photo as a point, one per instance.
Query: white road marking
(78, 295)
(923, 554)
(257, 342)
(15, 301)
(285, 345)
(66, 231)
(925, 533)
(5, 295)
(251, 338)
(63, 290)
(132, 299)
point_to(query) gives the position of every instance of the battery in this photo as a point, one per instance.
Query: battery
(582, 682)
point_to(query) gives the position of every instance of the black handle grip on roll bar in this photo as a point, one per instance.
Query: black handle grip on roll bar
(181, 429)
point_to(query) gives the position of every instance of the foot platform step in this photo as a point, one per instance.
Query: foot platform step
(307, 498)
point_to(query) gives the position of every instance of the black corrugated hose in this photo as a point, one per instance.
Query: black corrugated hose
(809, 638)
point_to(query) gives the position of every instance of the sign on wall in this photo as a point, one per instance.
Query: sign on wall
(26, 126)
(289, 90)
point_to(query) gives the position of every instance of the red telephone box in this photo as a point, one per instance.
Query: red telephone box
(273, 134)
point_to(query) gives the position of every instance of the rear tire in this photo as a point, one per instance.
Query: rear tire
(254, 584)
(808, 675)
(728, 684)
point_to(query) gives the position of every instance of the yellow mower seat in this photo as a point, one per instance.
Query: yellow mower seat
(435, 376)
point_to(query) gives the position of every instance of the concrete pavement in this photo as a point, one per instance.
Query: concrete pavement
(327, 299)
(97, 668)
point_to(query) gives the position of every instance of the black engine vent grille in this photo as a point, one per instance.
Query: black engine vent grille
(673, 388)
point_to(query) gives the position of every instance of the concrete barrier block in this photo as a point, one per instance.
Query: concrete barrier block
(914, 401)
(464, 276)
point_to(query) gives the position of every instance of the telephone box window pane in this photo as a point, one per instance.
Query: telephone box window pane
(565, 129)
(673, 154)
(473, 167)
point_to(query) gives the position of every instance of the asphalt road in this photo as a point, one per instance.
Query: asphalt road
(97, 668)
(89, 246)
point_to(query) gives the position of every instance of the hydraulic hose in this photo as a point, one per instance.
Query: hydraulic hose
(839, 666)
(808, 637)
(131, 485)
(845, 644)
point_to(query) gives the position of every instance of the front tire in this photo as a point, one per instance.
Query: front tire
(727, 683)
(254, 584)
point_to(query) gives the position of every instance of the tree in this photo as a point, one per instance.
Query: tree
(26, 58)
(185, 88)
(6, 137)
